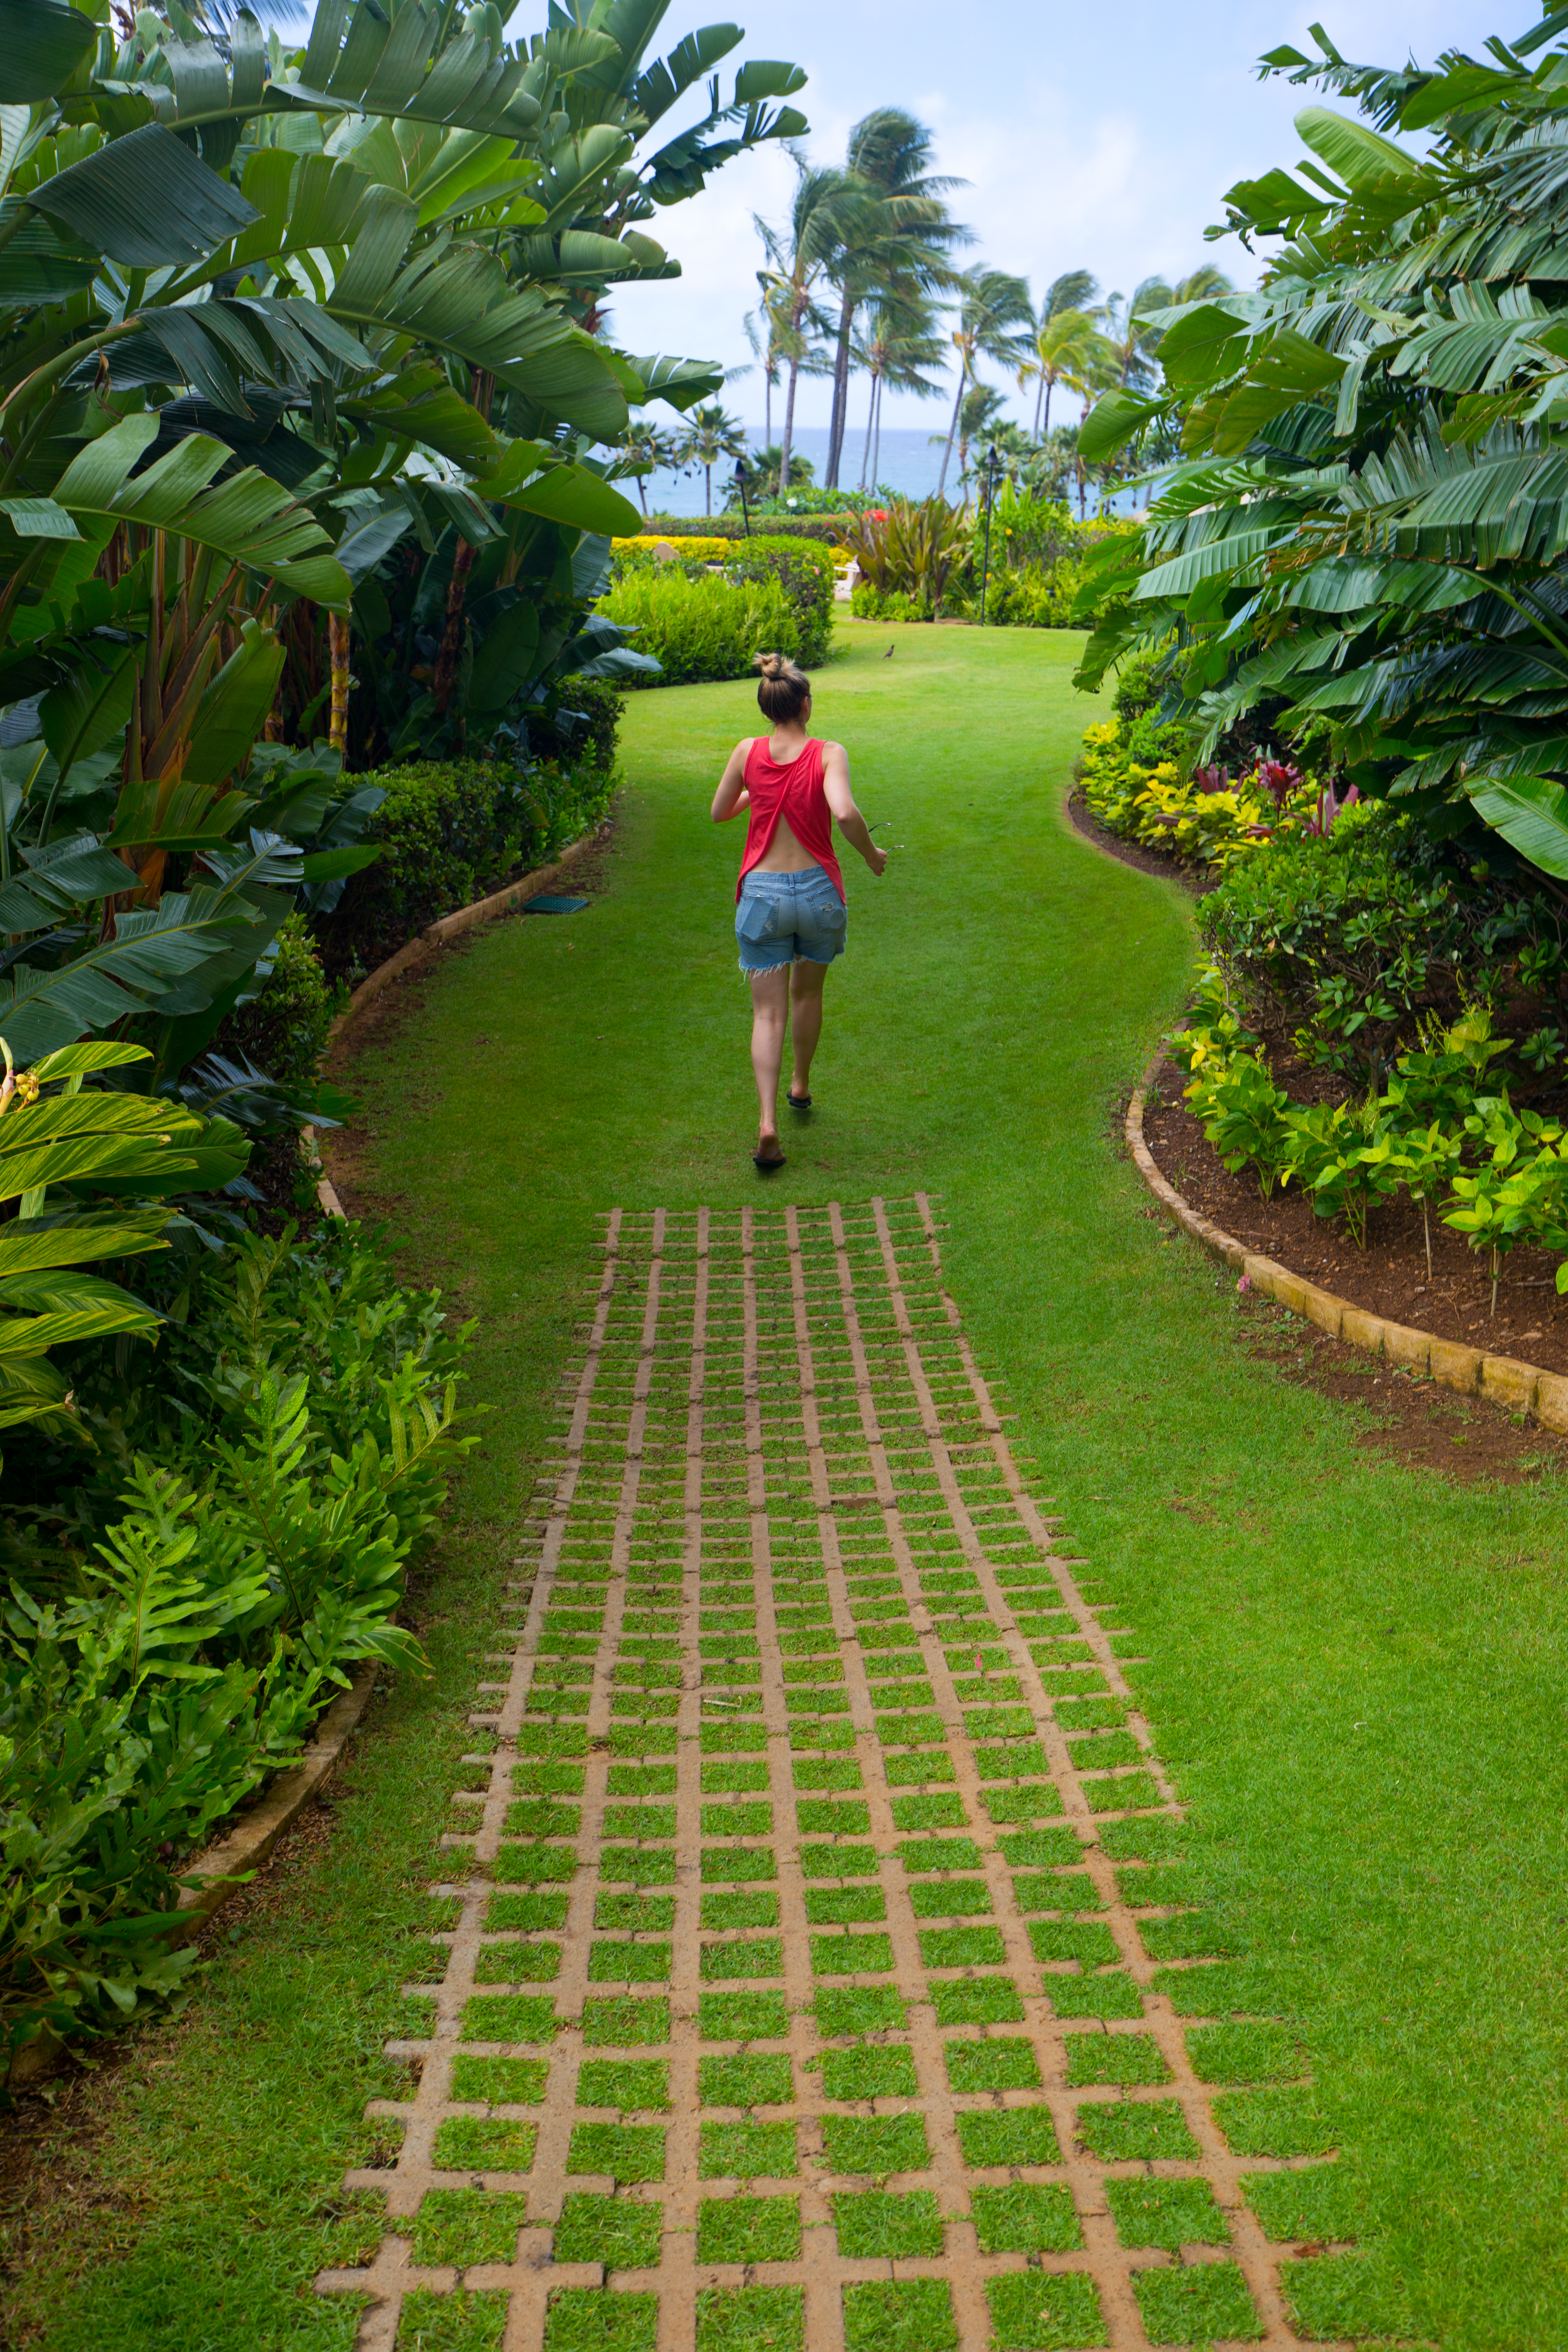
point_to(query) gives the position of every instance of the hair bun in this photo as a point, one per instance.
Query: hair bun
(771, 665)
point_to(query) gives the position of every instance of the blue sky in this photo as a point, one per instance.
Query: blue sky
(1101, 136)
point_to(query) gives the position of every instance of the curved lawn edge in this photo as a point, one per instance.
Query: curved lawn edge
(222, 1867)
(1505, 1380)
(504, 901)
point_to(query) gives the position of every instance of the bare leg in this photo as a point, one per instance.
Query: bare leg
(805, 1020)
(770, 1005)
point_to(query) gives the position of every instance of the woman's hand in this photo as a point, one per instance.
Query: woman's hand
(877, 859)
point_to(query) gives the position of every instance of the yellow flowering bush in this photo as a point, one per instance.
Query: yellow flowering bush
(690, 551)
(1188, 817)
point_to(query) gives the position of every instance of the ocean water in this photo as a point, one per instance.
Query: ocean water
(910, 465)
(911, 461)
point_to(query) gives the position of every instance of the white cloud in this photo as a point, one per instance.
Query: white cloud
(1102, 140)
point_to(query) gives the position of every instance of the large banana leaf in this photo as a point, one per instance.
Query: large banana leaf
(245, 518)
(40, 47)
(1531, 811)
(73, 1146)
(144, 200)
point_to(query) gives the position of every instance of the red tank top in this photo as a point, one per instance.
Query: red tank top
(795, 791)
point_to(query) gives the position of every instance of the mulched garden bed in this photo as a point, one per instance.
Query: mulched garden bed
(1133, 853)
(1389, 1276)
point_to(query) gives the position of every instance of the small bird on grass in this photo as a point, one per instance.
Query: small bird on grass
(891, 650)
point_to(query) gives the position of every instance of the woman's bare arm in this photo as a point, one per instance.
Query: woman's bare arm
(731, 796)
(841, 801)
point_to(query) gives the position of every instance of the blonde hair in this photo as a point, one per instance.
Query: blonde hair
(783, 690)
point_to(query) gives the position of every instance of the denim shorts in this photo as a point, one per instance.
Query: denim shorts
(788, 917)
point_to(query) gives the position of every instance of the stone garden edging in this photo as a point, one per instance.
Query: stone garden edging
(1505, 1380)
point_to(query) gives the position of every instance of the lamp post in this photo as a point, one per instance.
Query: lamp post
(988, 473)
(742, 475)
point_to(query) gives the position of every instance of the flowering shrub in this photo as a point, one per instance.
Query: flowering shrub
(1202, 819)
(689, 549)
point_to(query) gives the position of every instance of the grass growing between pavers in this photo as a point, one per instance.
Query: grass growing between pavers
(1353, 1669)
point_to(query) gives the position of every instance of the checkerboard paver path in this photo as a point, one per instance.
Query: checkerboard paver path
(813, 1974)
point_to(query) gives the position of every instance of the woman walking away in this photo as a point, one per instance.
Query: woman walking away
(790, 917)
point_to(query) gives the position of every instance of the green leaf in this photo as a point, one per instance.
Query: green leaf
(145, 200)
(90, 709)
(679, 383)
(1531, 813)
(80, 1061)
(502, 665)
(247, 518)
(233, 708)
(1114, 419)
(565, 493)
(78, 1238)
(40, 49)
(1210, 561)
(1361, 156)
(39, 519)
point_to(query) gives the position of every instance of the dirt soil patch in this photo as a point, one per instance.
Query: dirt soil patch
(1133, 853)
(1421, 1422)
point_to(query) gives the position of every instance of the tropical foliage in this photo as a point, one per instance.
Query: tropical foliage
(271, 313)
(179, 1615)
(1365, 531)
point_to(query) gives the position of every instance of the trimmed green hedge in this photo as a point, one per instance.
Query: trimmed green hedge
(827, 528)
(703, 628)
(803, 570)
(454, 831)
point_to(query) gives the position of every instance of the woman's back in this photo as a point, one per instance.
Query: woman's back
(790, 826)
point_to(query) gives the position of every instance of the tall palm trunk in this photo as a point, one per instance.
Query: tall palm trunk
(952, 430)
(1038, 397)
(1046, 426)
(871, 420)
(877, 449)
(768, 373)
(708, 476)
(840, 416)
(788, 427)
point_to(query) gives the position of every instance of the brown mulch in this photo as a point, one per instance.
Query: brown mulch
(1133, 853)
(1419, 1421)
(1389, 1276)
(1423, 1422)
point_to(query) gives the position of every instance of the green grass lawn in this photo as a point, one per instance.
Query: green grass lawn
(1355, 1671)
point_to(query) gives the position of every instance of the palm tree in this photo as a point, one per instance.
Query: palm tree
(995, 318)
(1075, 289)
(978, 417)
(897, 238)
(900, 343)
(1205, 285)
(644, 449)
(712, 436)
(767, 333)
(1069, 349)
(798, 257)
(1132, 339)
